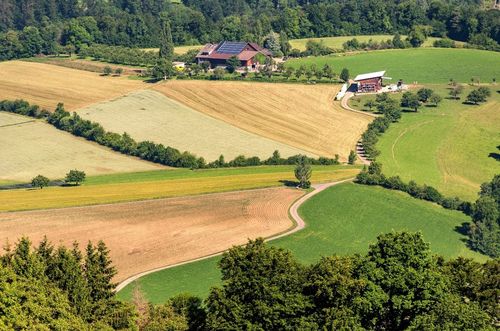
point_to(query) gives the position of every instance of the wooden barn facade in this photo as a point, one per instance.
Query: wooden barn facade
(218, 54)
(371, 82)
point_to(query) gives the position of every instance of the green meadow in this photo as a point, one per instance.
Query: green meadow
(450, 147)
(343, 219)
(422, 65)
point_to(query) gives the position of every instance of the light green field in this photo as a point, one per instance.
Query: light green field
(163, 184)
(344, 219)
(421, 65)
(149, 115)
(180, 50)
(30, 148)
(338, 42)
(447, 147)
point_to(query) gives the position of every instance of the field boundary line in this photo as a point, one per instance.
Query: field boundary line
(298, 225)
(15, 124)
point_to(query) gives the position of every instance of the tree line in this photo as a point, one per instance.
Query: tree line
(397, 285)
(145, 150)
(30, 27)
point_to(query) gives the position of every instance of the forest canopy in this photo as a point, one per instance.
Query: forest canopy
(137, 22)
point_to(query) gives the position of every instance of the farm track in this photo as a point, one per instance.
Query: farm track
(299, 224)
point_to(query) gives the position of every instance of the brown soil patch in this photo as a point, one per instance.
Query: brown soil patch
(46, 85)
(150, 234)
(302, 116)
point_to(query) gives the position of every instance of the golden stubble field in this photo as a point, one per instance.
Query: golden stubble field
(302, 116)
(149, 115)
(31, 147)
(46, 85)
(150, 234)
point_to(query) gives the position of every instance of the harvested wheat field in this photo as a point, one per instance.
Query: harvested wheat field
(29, 148)
(46, 85)
(150, 234)
(149, 115)
(302, 116)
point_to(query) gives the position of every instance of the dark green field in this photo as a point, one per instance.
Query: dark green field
(341, 220)
(422, 65)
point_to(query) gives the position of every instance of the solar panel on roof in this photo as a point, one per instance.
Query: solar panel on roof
(231, 48)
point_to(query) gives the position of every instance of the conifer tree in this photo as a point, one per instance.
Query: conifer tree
(99, 272)
(166, 43)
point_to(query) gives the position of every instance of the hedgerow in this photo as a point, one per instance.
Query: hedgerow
(145, 150)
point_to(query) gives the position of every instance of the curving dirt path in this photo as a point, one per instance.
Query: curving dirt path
(293, 211)
(344, 103)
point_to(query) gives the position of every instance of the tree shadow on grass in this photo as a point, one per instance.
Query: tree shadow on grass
(289, 183)
(496, 156)
(463, 229)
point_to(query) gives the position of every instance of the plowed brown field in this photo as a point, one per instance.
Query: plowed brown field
(46, 85)
(150, 234)
(302, 116)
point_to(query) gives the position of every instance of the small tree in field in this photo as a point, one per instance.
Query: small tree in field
(352, 157)
(456, 91)
(107, 70)
(370, 104)
(40, 181)
(424, 94)
(410, 100)
(303, 172)
(75, 177)
(344, 75)
(118, 71)
(477, 96)
(435, 99)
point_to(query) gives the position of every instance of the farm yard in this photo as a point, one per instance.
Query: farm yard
(149, 115)
(162, 184)
(302, 116)
(30, 147)
(448, 146)
(46, 85)
(150, 234)
(422, 65)
(340, 220)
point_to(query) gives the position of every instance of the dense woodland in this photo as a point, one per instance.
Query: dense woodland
(29, 27)
(397, 285)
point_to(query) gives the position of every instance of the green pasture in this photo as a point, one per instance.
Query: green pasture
(450, 147)
(338, 42)
(421, 65)
(344, 219)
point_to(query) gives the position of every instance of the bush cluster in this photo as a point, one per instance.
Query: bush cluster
(373, 176)
(145, 150)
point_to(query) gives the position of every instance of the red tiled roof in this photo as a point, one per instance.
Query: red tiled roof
(247, 55)
(244, 55)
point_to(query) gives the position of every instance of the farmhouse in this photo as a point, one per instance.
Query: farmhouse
(371, 82)
(250, 54)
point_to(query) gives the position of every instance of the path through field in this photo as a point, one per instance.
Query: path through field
(150, 234)
(294, 214)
